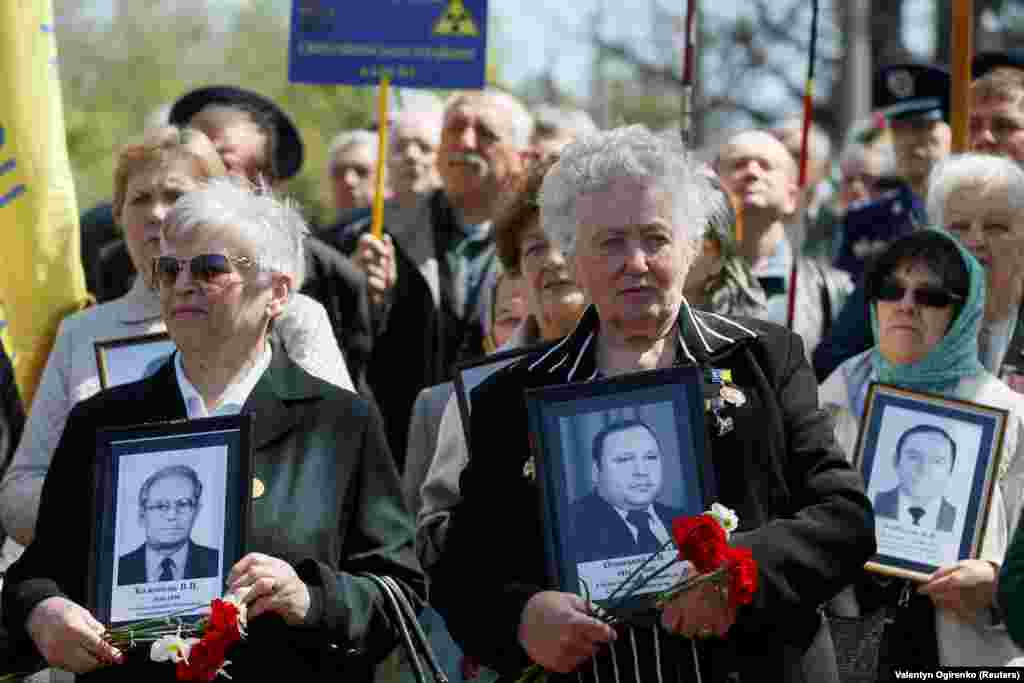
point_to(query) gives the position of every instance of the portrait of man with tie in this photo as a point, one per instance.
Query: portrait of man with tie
(925, 458)
(169, 503)
(621, 516)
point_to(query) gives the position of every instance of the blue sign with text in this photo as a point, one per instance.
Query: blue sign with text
(417, 43)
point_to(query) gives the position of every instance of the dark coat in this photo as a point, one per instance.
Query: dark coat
(419, 337)
(887, 504)
(200, 563)
(331, 280)
(332, 508)
(97, 228)
(599, 532)
(801, 507)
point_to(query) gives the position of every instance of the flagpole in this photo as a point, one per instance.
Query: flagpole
(804, 138)
(689, 43)
(960, 96)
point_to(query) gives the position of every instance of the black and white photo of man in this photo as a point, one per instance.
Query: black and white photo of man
(169, 503)
(925, 458)
(620, 516)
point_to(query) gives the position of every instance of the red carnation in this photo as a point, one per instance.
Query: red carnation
(224, 621)
(701, 540)
(205, 660)
(742, 576)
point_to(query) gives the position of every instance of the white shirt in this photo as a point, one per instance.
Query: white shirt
(657, 527)
(234, 396)
(930, 518)
(154, 560)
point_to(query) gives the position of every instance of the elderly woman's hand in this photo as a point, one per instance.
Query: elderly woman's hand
(558, 632)
(273, 587)
(69, 637)
(376, 258)
(965, 588)
(700, 612)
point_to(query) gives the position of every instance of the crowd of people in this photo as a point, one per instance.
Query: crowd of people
(596, 254)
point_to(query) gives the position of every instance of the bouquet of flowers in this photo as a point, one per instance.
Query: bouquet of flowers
(198, 649)
(703, 541)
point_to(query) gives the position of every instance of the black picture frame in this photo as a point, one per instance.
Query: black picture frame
(129, 359)
(914, 540)
(586, 556)
(471, 374)
(218, 450)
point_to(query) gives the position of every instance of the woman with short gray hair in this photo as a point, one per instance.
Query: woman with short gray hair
(632, 207)
(326, 499)
(979, 199)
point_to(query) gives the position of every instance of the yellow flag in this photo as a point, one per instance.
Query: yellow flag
(41, 277)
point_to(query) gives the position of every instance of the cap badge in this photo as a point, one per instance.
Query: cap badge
(901, 83)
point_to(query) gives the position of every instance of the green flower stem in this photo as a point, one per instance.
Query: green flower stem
(638, 570)
(646, 580)
(683, 586)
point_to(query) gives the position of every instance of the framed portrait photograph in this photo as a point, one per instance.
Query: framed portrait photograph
(130, 359)
(471, 374)
(929, 465)
(617, 460)
(172, 509)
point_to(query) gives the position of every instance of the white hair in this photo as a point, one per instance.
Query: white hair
(973, 170)
(519, 118)
(589, 164)
(351, 138)
(434, 119)
(550, 120)
(271, 228)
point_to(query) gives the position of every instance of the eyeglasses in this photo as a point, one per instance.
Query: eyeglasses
(204, 268)
(180, 506)
(932, 297)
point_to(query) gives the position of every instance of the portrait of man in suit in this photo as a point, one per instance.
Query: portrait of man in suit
(925, 458)
(621, 516)
(169, 503)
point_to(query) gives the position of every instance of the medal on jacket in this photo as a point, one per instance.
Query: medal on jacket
(258, 488)
(732, 395)
(529, 470)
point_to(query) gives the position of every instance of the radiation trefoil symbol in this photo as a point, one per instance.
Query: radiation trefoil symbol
(456, 21)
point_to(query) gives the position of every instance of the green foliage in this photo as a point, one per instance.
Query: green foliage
(118, 69)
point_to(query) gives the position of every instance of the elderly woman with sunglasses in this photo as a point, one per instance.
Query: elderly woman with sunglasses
(331, 505)
(926, 295)
(149, 176)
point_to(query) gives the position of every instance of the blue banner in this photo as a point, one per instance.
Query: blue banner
(417, 43)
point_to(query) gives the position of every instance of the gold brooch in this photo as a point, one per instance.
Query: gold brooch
(530, 470)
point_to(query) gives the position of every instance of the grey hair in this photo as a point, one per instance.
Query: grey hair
(434, 118)
(972, 170)
(350, 138)
(272, 228)
(856, 151)
(589, 164)
(550, 120)
(183, 471)
(520, 119)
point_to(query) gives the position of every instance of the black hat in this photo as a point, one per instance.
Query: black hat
(288, 151)
(987, 61)
(902, 91)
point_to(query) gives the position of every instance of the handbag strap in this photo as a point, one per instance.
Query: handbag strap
(398, 615)
(417, 630)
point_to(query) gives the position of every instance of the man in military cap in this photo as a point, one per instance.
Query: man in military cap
(914, 98)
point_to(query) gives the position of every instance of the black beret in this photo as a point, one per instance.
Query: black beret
(987, 61)
(288, 153)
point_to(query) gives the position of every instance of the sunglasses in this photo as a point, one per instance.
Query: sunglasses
(204, 268)
(932, 297)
